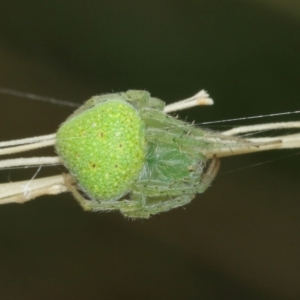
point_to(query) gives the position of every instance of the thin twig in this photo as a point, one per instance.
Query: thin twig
(28, 140)
(29, 162)
(23, 191)
(260, 127)
(275, 143)
(201, 98)
(23, 148)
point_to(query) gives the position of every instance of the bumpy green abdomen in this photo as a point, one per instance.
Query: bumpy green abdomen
(103, 148)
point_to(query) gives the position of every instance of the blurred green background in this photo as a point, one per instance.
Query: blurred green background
(239, 240)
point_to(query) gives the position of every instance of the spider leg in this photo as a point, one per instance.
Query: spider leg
(94, 205)
(209, 175)
(155, 205)
(162, 202)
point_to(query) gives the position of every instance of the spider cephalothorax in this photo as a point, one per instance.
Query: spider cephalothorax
(126, 154)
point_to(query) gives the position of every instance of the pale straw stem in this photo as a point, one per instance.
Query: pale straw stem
(29, 162)
(28, 140)
(201, 98)
(260, 127)
(259, 144)
(22, 191)
(28, 147)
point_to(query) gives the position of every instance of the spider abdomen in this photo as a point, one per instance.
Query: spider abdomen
(104, 148)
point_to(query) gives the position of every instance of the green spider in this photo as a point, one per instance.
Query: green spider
(126, 154)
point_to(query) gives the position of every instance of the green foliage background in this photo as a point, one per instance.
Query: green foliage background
(240, 240)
